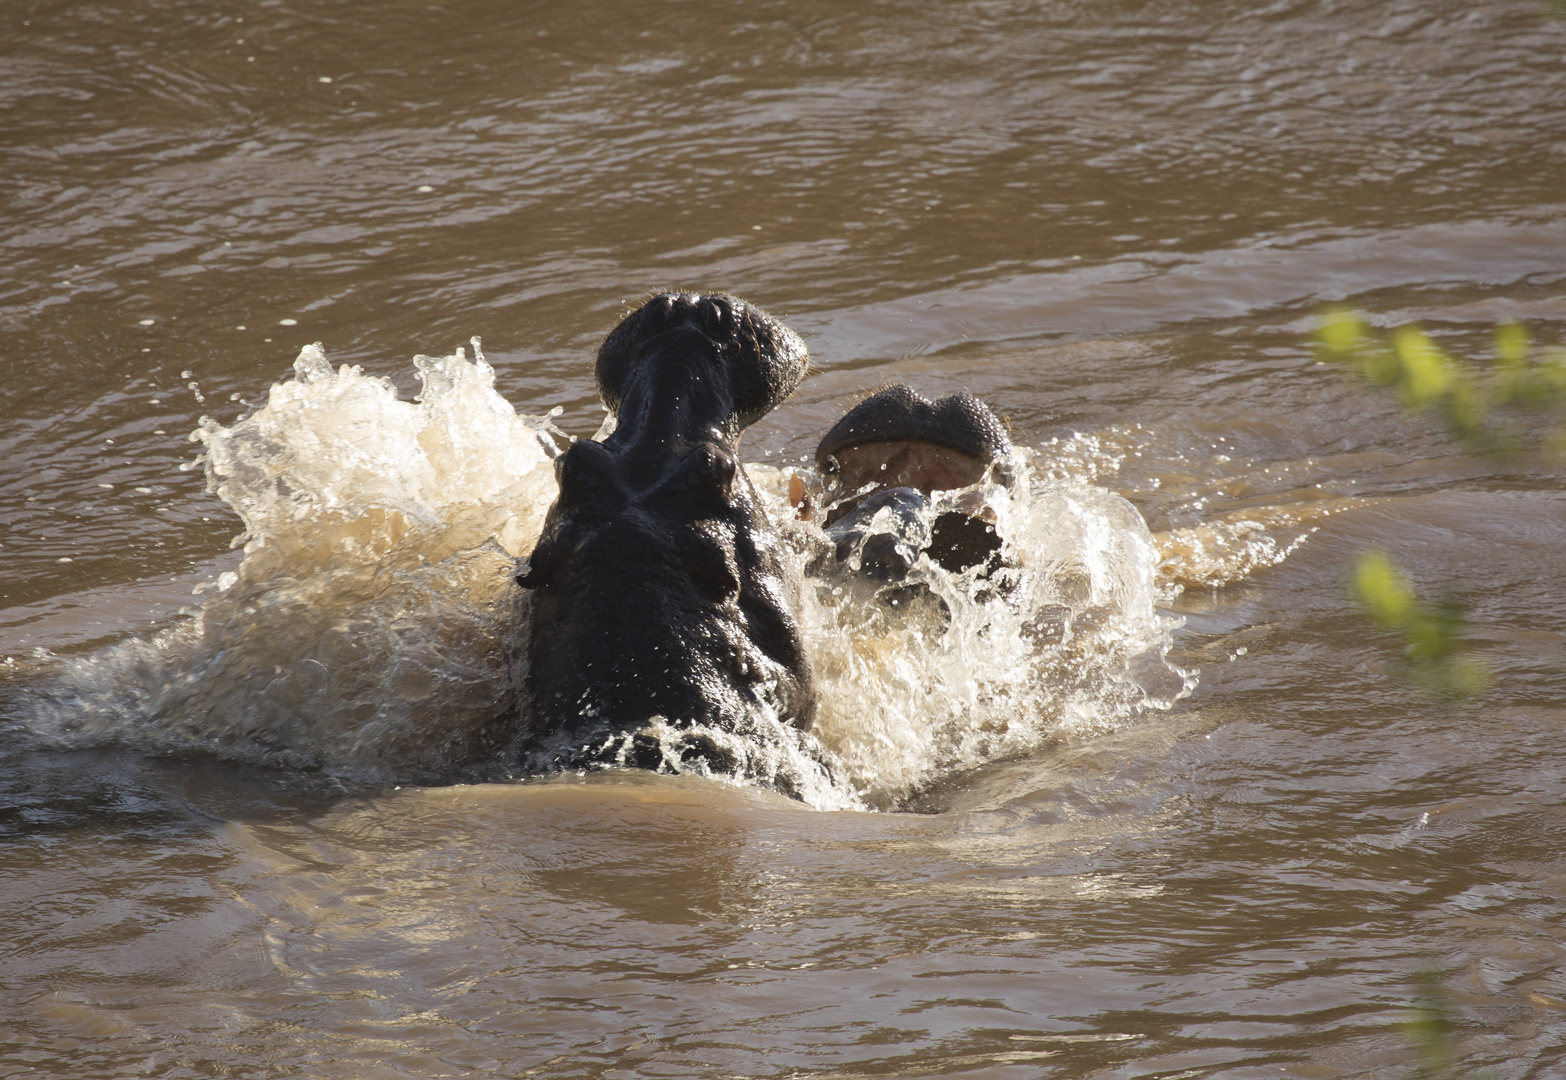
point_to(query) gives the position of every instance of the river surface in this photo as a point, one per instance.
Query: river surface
(1238, 849)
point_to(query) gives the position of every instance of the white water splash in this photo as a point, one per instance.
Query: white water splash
(369, 629)
(372, 630)
(1065, 639)
(331, 446)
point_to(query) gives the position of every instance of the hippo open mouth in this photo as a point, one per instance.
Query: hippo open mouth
(660, 586)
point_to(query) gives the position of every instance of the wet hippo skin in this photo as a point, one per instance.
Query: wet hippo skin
(659, 585)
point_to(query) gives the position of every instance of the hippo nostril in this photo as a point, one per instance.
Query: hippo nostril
(678, 309)
(740, 362)
(714, 316)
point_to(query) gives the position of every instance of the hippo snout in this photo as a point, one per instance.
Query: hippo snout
(754, 360)
(658, 586)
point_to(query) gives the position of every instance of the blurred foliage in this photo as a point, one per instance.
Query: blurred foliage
(1477, 405)
(1481, 408)
(1435, 655)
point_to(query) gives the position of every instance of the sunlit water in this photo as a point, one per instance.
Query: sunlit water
(1160, 810)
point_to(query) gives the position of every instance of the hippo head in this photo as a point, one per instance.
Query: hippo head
(887, 457)
(898, 438)
(659, 587)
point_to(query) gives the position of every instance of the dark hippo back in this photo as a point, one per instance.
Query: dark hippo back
(659, 586)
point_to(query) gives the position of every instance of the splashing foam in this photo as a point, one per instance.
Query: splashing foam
(372, 630)
(1221, 552)
(954, 670)
(367, 629)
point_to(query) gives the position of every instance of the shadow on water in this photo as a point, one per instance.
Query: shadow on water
(59, 793)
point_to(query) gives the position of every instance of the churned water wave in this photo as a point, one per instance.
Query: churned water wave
(372, 629)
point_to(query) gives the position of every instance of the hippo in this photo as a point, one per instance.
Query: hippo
(660, 587)
(882, 462)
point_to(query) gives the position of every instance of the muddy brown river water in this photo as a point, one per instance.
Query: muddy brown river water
(1232, 848)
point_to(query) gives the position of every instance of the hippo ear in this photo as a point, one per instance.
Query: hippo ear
(589, 473)
(537, 574)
